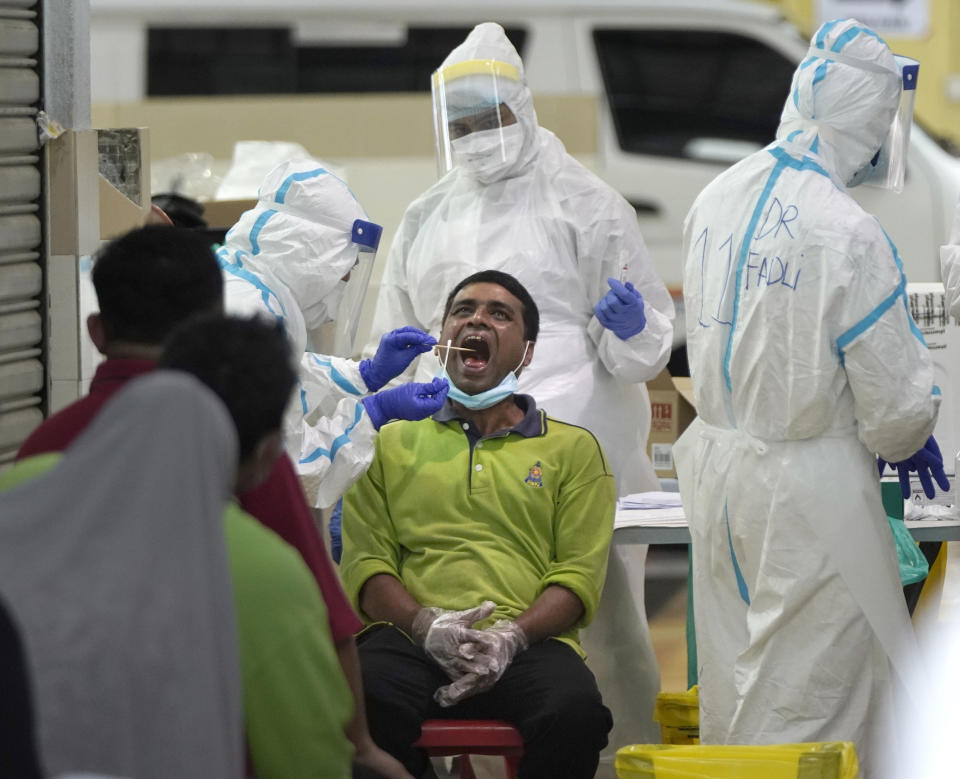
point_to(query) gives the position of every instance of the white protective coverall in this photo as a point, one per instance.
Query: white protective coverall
(805, 363)
(950, 266)
(285, 258)
(561, 232)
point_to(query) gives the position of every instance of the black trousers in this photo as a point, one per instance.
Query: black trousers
(547, 693)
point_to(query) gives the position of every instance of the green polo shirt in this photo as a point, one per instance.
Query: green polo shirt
(461, 518)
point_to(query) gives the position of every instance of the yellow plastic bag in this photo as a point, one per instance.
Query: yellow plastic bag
(822, 760)
(679, 716)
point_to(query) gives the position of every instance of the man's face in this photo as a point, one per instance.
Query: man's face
(491, 119)
(488, 319)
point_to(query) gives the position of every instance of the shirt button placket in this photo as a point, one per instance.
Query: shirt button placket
(478, 467)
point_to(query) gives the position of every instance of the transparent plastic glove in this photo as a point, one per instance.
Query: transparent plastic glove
(505, 639)
(927, 462)
(408, 401)
(621, 310)
(396, 351)
(449, 638)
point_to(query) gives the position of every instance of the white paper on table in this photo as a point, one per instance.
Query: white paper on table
(666, 517)
(649, 500)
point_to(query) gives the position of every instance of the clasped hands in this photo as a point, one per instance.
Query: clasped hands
(474, 659)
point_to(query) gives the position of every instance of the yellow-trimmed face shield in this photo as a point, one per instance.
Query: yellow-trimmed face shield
(472, 117)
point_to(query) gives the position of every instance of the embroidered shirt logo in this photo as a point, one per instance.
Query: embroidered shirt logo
(535, 476)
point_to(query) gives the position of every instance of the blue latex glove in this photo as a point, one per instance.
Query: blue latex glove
(408, 401)
(621, 310)
(396, 351)
(927, 462)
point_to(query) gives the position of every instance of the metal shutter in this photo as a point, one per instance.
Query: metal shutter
(21, 231)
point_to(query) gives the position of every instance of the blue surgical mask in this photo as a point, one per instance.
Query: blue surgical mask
(490, 397)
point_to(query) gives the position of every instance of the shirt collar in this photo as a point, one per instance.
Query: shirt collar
(120, 369)
(533, 424)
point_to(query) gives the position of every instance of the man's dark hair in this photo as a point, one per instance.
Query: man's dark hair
(246, 361)
(151, 279)
(531, 314)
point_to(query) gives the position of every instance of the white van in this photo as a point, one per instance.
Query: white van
(676, 90)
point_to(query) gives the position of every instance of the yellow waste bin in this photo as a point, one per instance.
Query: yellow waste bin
(823, 760)
(679, 716)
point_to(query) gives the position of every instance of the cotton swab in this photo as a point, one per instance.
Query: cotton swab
(452, 348)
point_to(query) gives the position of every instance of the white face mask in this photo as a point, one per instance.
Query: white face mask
(488, 153)
(508, 386)
(325, 309)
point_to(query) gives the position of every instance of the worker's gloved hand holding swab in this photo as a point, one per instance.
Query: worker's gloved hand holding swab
(927, 462)
(412, 401)
(621, 310)
(396, 351)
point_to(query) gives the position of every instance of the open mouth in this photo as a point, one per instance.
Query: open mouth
(480, 355)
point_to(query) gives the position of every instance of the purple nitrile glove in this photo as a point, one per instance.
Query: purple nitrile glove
(621, 310)
(415, 400)
(927, 462)
(396, 351)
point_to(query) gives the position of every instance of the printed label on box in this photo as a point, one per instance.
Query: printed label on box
(661, 417)
(662, 456)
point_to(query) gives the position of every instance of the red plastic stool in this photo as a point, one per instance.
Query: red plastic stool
(445, 737)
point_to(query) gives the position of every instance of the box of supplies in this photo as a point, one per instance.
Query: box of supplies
(679, 716)
(671, 410)
(226, 213)
(815, 760)
(942, 334)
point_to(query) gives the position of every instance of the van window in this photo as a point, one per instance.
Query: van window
(269, 60)
(683, 93)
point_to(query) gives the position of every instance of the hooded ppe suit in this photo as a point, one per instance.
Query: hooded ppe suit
(805, 364)
(286, 258)
(950, 266)
(560, 230)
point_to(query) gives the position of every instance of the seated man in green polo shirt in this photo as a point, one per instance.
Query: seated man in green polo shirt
(477, 545)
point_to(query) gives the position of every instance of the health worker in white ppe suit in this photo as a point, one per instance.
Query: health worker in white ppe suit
(303, 255)
(805, 365)
(512, 199)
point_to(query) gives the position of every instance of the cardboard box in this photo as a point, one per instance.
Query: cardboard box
(123, 179)
(942, 334)
(671, 410)
(225, 213)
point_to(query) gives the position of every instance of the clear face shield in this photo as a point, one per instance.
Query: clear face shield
(473, 125)
(366, 237)
(888, 166)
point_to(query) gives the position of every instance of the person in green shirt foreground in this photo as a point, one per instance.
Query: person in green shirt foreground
(296, 700)
(476, 545)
